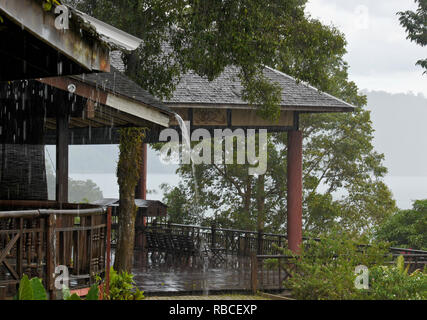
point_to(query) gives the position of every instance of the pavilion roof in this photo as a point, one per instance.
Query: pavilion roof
(225, 90)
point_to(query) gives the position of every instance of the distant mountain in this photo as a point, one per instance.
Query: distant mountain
(400, 123)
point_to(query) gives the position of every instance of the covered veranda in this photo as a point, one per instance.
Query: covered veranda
(37, 235)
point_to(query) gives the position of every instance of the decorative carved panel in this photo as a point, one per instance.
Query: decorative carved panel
(209, 117)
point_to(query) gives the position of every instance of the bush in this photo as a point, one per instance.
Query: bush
(325, 270)
(31, 289)
(34, 290)
(122, 287)
(395, 283)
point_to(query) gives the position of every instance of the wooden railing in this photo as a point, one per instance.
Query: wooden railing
(229, 241)
(36, 241)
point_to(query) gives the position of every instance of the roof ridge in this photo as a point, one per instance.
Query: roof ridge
(309, 86)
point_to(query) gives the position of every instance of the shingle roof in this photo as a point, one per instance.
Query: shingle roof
(116, 82)
(226, 89)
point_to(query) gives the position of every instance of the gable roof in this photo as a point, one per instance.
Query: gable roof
(227, 88)
(193, 90)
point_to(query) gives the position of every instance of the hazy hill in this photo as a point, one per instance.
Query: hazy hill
(400, 123)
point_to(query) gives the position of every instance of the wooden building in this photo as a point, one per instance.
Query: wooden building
(58, 90)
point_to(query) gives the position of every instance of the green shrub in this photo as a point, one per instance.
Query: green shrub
(31, 289)
(122, 287)
(325, 270)
(34, 290)
(395, 283)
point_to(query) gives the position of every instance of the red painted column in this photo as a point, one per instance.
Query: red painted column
(294, 190)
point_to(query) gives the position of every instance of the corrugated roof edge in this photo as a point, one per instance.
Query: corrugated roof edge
(311, 87)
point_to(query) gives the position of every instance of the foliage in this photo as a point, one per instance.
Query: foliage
(93, 294)
(130, 156)
(415, 24)
(31, 289)
(178, 205)
(122, 287)
(326, 268)
(338, 158)
(47, 4)
(34, 290)
(406, 228)
(128, 169)
(395, 283)
(207, 36)
(338, 154)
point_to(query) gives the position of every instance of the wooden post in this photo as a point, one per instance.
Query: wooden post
(213, 235)
(20, 249)
(50, 254)
(61, 157)
(3, 292)
(294, 190)
(259, 243)
(254, 273)
(107, 271)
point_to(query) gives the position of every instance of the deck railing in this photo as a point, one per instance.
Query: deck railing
(228, 241)
(36, 241)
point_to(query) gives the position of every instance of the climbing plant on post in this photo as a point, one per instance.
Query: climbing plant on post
(127, 178)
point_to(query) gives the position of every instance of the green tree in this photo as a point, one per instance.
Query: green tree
(207, 36)
(415, 24)
(178, 205)
(338, 158)
(407, 228)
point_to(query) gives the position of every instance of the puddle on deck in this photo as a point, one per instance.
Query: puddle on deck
(186, 278)
(157, 279)
(235, 275)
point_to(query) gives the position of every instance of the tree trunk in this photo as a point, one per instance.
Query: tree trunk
(247, 201)
(127, 177)
(260, 203)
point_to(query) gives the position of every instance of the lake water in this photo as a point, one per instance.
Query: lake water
(405, 189)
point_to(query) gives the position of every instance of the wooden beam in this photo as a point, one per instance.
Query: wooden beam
(62, 157)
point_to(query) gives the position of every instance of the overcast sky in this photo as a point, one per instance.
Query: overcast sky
(379, 55)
